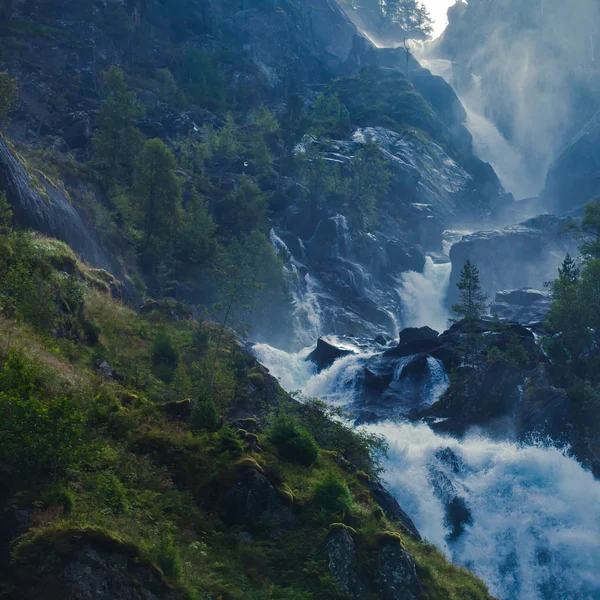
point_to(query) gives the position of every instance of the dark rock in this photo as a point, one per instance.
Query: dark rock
(13, 523)
(414, 334)
(382, 340)
(426, 346)
(326, 353)
(341, 553)
(397, 573)
(376, 382)
(80, 564)
(524, 305)
(79, 133)
(255, 504)
(52, 214)
(179, 411)
(366, 417)
(519, 256)
(417, 368)
(392, 510)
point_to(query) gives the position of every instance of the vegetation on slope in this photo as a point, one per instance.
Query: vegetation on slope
(132, 433)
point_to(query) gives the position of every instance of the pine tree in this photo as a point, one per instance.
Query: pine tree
(157, 195)
(117, 140)
(470, 309)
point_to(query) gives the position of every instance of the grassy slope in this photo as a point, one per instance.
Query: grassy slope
(131, 472)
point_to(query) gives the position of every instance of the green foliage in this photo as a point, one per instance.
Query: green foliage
(370, 181)
(329, 117)
(590, 227)
(332, 494)
(229, 442)
(200, 337)
(40, 438)
(168, 558)
(243, 210)
(117, 139)
(202, 78)
(168, 90)
(165, 355)
(9, 91)
(225, 140)
(295, 443)
(5, 215)
(205, 414)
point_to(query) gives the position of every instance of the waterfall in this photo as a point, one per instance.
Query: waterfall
(535, 513)
(423, 295)
(304, 289)
(488, 142)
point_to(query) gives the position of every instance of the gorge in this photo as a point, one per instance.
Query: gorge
(292, 204)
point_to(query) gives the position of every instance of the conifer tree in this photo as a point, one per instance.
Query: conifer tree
(9, 89)
(470, 309)
(117, 140)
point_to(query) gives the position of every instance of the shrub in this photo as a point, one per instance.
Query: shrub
(200, 337)
(332, 493)
(165, 356)
(230, 442)
(205, 414)
(294, 443)
(168, 558)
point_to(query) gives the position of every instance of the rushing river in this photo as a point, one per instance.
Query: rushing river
(534, 513)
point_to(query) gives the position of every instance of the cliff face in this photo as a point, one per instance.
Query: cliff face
(533, 65)
(264, 52)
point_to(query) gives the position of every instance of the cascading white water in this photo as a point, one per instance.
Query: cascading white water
(488, 143)
(423, 295)
(535, 513)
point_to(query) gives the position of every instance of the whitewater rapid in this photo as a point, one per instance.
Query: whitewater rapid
(535, 512)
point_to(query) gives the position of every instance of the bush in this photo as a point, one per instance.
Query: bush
(205, 414)
(332, 494)
(230, 442)
(165, 356)
(201, 337)
(294, 443)
(168, 558)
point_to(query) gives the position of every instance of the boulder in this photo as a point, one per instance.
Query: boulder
(326, 353)
(341, 553)
(397, 572)
(524, 305)
(417, 368)
(414, 334)
(255, 504)
(80, 564)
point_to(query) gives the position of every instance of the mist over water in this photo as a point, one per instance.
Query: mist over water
(488, 142)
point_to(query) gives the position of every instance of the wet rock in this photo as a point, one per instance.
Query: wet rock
(341, 553)
(376, 382)
(458, 516)
(41, 206)
(382, 340)
(366, 417)
(524, 305)
(397, 573)
(417, 368)
(326, 353)
(392, 510)
(78, 133)
(413, 334)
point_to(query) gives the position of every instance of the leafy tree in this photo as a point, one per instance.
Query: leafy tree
(332, 494)
(470, 309)
(205, 414)
(168, 90)
(295, 443)
(202, 79)
(243, 210)
(117, 140)
(196, 235)
(9, 91)
(224, 141)
(157, 195)
(320, 177)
